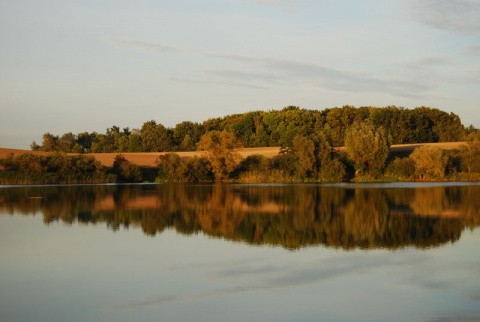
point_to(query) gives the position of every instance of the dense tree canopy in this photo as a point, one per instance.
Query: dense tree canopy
(268, 128)
(309, 142)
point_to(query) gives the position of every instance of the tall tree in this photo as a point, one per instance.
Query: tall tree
(304, 151)
(430, 162)
(67, 142)
(85, 140)
(49, 142)
(368, 147)
(156, 137)
(218, 147)
(186, 135)
(330, 168)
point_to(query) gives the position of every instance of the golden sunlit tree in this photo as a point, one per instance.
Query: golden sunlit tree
(304, 152)
(218, 147)
(368, 147)
(430, 163)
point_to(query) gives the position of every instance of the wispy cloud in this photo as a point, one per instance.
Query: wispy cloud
(252, 278)
(206, 82)
(457, 318)
(263, 72)
(459, 16)
(143, 44)
(284, 5)
(442, 70)
(473, 50)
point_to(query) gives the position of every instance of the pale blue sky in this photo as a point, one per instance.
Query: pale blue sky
(87, 65)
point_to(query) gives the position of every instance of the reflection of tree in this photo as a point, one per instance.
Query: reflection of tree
(431, 202)
(366, 217)
(291, 216)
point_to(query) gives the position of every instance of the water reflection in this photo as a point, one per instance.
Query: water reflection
(291, 216)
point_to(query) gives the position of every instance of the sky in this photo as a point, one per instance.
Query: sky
(75, 66)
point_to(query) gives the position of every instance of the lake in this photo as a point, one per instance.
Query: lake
(339, 252)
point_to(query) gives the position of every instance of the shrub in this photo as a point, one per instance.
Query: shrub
(401, 168)
(430, 163)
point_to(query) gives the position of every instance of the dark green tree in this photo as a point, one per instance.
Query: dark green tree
(156, 137)
(125, 170)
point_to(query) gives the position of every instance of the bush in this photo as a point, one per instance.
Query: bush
(401, 169)
(125, 170)
(430, 163)
(173, 168)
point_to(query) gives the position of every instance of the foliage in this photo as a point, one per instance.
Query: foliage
(186, 135)
(470, 154)
(125, 170)
(401, 168)
(310, 142)
(430, 163)
(156, 137)
(173, 168)
(368, 147)
(269, 128)
(304, 151)
(218, 147)
(52, 169)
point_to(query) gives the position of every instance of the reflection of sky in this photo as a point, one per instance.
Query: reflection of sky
(89, 273)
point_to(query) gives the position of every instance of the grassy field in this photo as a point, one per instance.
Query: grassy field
(147, 159)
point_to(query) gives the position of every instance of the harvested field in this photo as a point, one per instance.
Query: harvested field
(147, 159)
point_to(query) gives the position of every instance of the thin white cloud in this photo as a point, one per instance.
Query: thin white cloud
(143, 44)
(291, 72)
(249, 278)
(442, 70)
(284, 5)
(270, 71)
(206, 82)
(473, 50)
(461, 16)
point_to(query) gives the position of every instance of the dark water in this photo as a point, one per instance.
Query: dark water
(372, 252)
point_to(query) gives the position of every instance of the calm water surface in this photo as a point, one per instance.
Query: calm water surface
(371, 252)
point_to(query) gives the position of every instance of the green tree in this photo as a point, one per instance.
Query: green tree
(304, 151)
(470, 154)
(99, 144)
(401, 168)
(125, 170)
(218, 147)
(430, 163)
(67, 142)
(186, 135)
(135, 143)
(330, 168)
(156, 137)
(173, 168)
(367, 147)
(34, 146)
(85, 140)
(49, 142)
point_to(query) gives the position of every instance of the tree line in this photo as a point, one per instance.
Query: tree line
(365, 157)
(309, 150)
(267, 129)
(59, 168)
